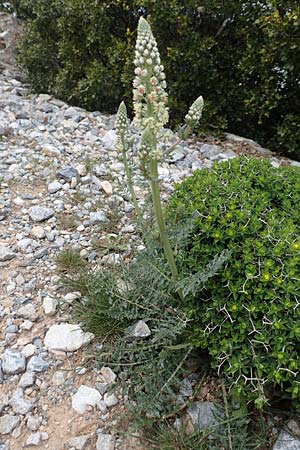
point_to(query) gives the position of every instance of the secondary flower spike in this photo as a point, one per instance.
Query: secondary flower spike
(122, 121)
(195, 112)
(149, 84)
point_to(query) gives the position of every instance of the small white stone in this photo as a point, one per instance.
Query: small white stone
(8, 422)
(78, 442)
(49, 306)
(27, 312)
(26, 325)
(27, 380)
(18, 201)
(6, 253)
(33, 423)
(81, 169)
(85, 397)
(58, 378)
(74, 182)
(105, 442)
(110, 140)
(38, 232)
(44, 436)
(107, 375)
(107, 187)
(66, 337)
(55, 186)
(33, 440)
(29, 350)
(71, 297)
(110, 400)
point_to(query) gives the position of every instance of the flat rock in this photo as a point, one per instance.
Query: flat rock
(55, 186)
(79, 442)
(110, 400)
(98, 217)
(58, 378)
(66, 337)
(13, 362)
(49, 306)
(110, 140)
(286, 441)
(67, 173)
(38, 232)
(107, 187)
(6, 254)
(204, 415)
(105, 442)
(40, 213)
(27, 380)
(27, 312)
(107, 375)
(85, 397)
(8, 422)
(34, 439)
(19, 404)
(139, 330)
(37, 364)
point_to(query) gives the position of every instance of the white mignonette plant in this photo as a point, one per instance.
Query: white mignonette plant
(151, 115)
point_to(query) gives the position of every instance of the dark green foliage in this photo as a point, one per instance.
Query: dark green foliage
(248, 316)
(243, 57)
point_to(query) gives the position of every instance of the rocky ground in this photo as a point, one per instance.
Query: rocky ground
(62, 187)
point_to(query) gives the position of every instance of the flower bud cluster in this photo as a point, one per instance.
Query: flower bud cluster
(121, 126)
(149, 83)
(195, 112)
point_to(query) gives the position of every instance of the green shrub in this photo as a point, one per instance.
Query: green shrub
(243, 57)
(248, 316)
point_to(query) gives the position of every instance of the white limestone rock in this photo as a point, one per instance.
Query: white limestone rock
(105, 442)
(66, 337)
(49, 306)
(8, 422)
(85, 397)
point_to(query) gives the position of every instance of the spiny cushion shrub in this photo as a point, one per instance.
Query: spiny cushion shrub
(243, 57)
(248, 316)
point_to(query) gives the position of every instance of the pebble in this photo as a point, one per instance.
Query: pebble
(204, 415)
(79, 442)
(139, 330)
(85, 397)
(37, 364)
(49, 306)
(110, 400)
(40, 213)
(27, 380)
(55, 186)
(286, 441)
(98, 217)
(33, 440)
(8, 422)
(6, 254)
(66, 337)
(105, 442)
(13, 362)
(58, 378)
(29, 350)
(19, 404)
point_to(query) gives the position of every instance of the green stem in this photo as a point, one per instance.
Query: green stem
(160, 217)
